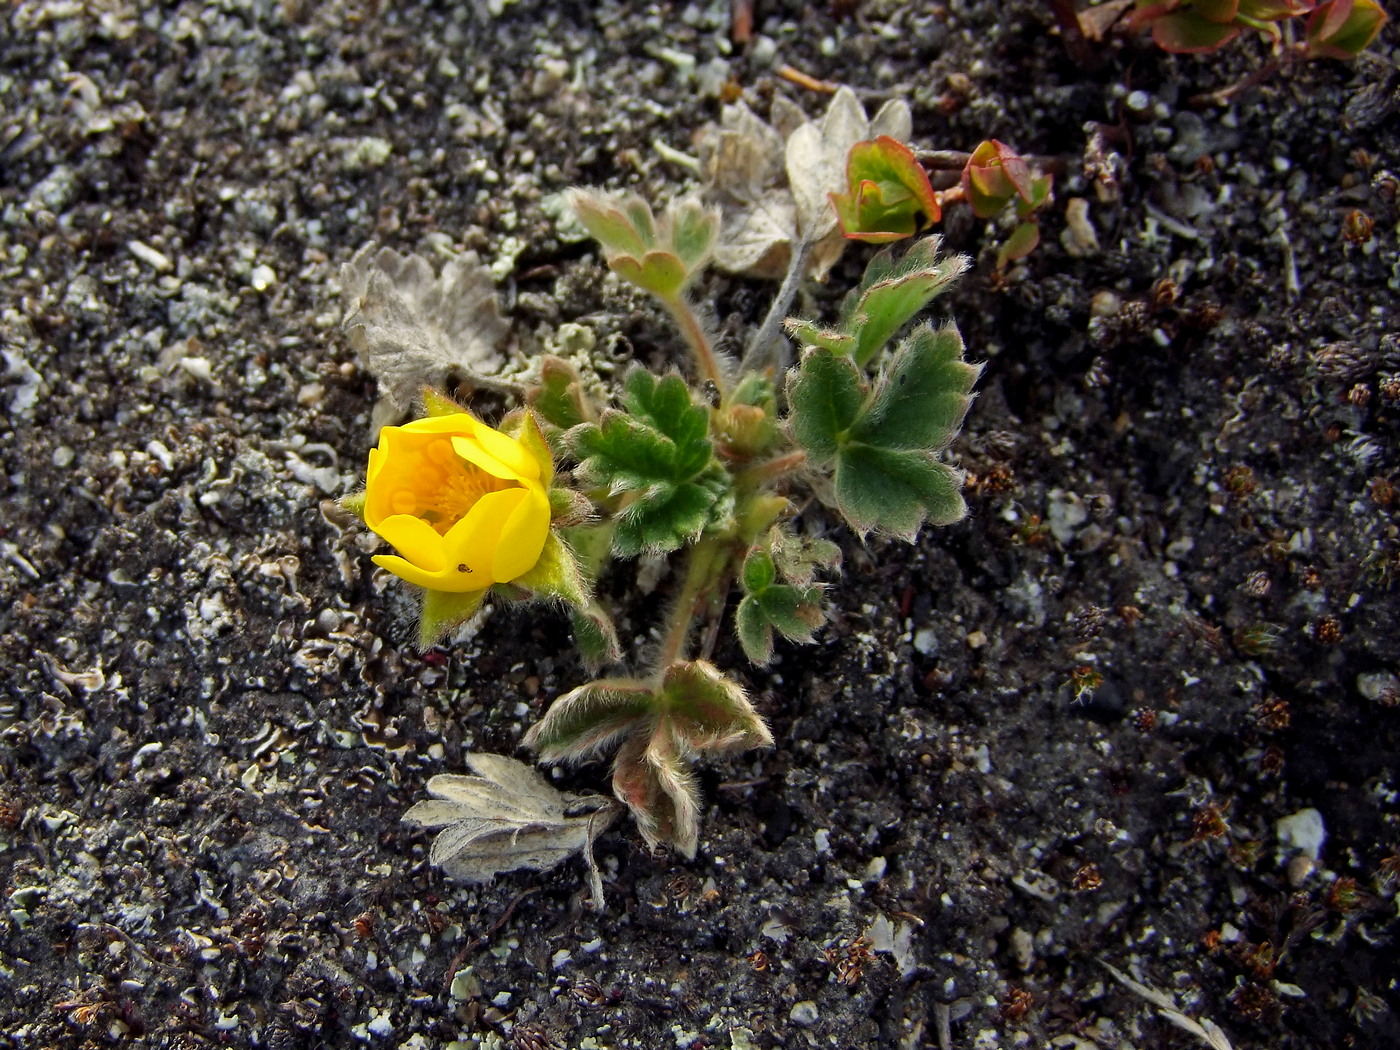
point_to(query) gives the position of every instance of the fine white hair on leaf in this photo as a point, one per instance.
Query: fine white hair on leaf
(508, 817)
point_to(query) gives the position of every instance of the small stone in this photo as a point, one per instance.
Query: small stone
(1302, 831)
(804, 1014)
(262, 278)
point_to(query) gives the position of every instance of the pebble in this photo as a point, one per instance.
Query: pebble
(804, 1014)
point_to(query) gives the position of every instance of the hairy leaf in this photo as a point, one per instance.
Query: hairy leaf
(921, 398)
(658, 457)
(660, 257)
(592, 719)
(413, 329)
(896, 491)
(893, 291)
(508, 817)
(825, 393)
(793, 611)
(559, 395)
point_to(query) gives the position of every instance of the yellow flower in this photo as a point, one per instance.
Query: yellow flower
(464, 504)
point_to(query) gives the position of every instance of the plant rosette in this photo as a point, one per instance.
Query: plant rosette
(467, 508)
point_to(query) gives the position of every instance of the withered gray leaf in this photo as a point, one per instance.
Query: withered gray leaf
(509, 817)
(773, 181)
(413, 328)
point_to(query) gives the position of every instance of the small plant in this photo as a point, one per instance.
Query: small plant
(1334, 28)
(708, 468)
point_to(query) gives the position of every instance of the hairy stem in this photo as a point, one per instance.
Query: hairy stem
(758, 347)
(705, 357)
(771, 470)
(704, 572)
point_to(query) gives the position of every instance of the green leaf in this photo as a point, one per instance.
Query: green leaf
(445, 611)
(708, 711)
(593, 718)
(693, 229)
(809, 333)
(799, 558)
(622, 226)
(755, 631)
(658, 257)
(887, 190)
(921, 399)
(595, 637)
(559, 395)
(896, 491)
(758, 573)
(658, 458)
(556, 574)
(1021, 243)
(1187, 32)
(1343, 28)
(825, 393)
(892, 293)
(882, 440)
(661, 273)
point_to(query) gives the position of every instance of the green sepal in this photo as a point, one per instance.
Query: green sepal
(436, 403)
(445, 611)
(559, 396)
(887, 190)
(709, 711)
(355, 503)
(569, 509)
(556, 574)
(656, 457)
(532, 438)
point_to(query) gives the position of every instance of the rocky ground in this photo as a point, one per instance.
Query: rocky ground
(1182, 462)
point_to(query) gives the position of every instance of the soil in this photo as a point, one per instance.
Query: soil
(1182, 459)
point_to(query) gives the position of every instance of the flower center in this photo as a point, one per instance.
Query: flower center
(462, 486)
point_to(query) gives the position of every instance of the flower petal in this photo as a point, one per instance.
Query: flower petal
(522, 537)
(416, 540)
(406, 570)
(497, 454)
(471, 544)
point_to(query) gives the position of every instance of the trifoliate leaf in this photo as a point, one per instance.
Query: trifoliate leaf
(879, 440)
(413, 329)
(660, 257)
(793, 611)
(658, 457)
(508, 817)
(659, 727)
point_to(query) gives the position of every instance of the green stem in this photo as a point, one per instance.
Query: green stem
(704, 571)
(705, 357)
(754, 356)
(770, 470)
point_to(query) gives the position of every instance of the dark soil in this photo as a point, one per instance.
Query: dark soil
(1182, 462)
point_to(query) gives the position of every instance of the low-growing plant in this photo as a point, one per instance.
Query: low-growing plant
(706, 466)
